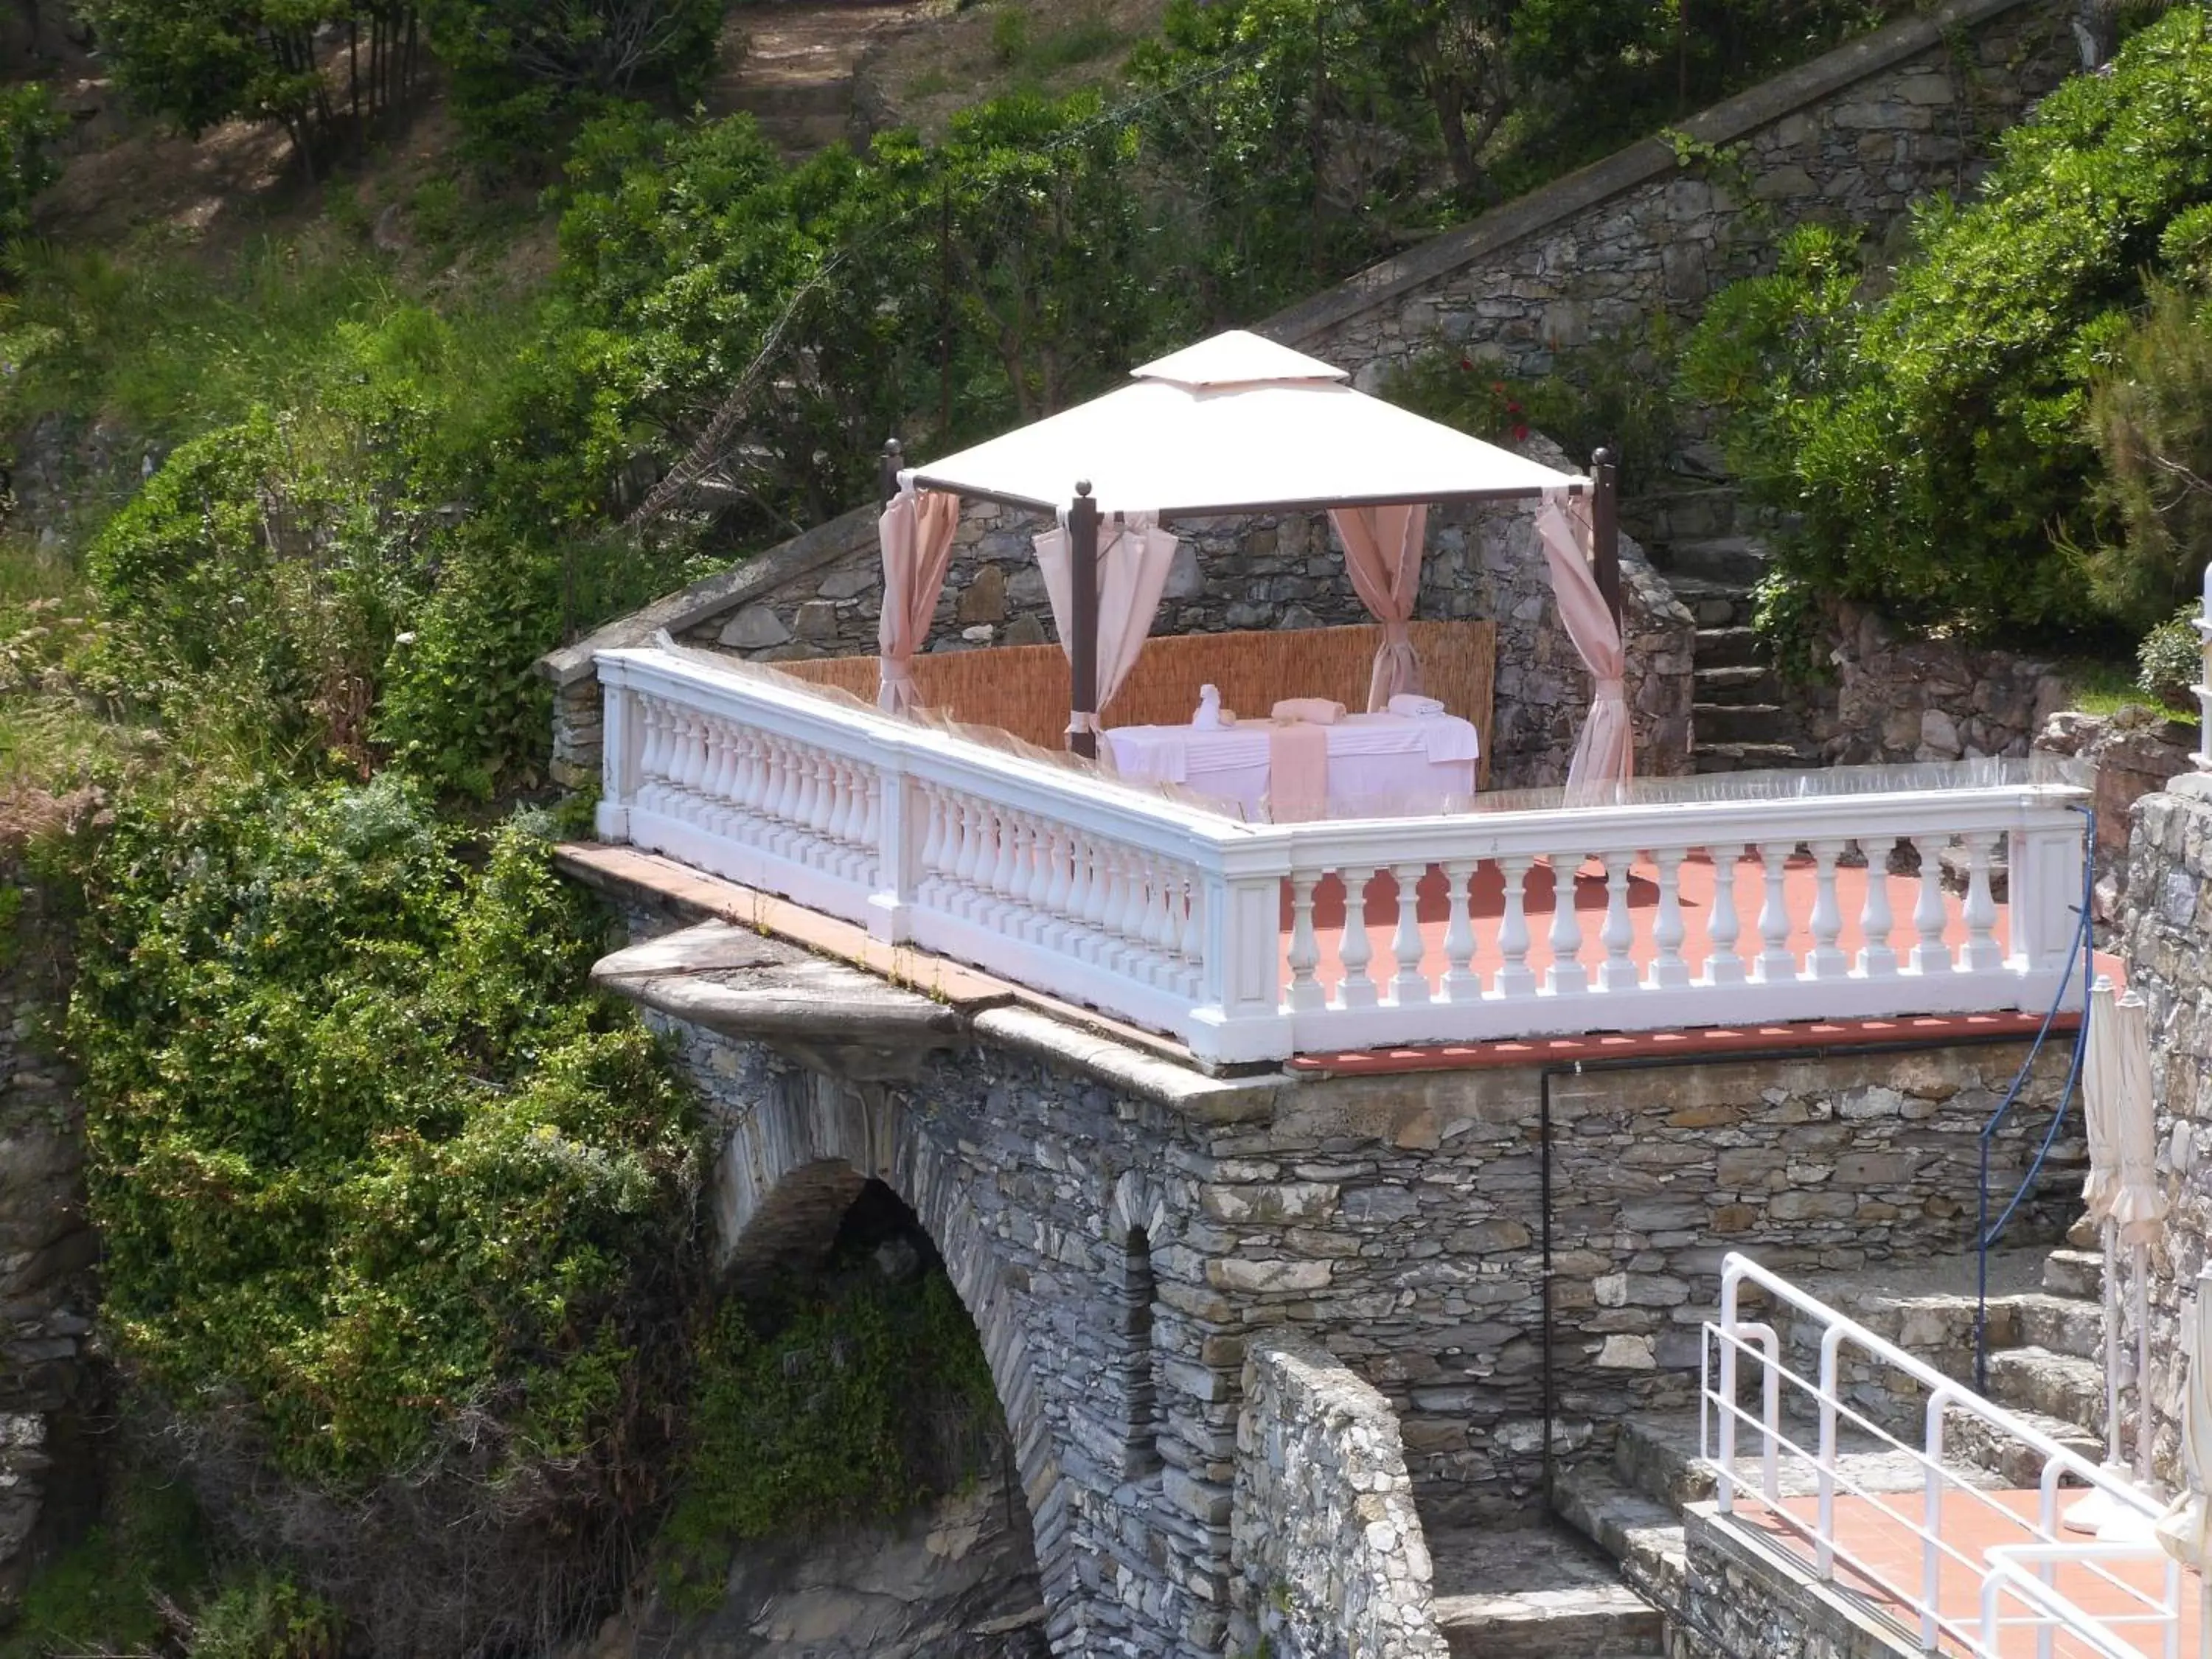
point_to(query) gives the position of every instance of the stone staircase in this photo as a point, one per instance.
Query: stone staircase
(1541, 1593)
(1740, 719)
(2046, 1337)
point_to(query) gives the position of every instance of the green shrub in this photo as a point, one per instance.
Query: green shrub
(2171, 661)
(29, 125)
(2151, 417)
(1933, 442)
(365, 1158)
(517, 64)
(266, 1617)
(104, 1593)
(831, 1410)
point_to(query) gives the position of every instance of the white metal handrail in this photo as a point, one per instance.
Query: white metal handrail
(2052, 1612)
(1173, 917)
(2203, 689)
(1735, 1338)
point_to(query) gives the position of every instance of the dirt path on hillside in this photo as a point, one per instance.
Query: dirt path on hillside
(794, 68)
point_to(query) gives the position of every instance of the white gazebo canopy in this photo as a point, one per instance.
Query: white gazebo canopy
(1233, 425)
(1238, 424)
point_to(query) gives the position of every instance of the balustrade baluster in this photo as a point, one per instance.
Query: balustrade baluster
(783, 794)
(749, 781)
(1305, 995)
(1566, 976)
(1669, 971)
(1354, 949)
(1723, 966)
(1618, 971)
(1125, 902)
(1826, 959)
(1775, 964)
(968, 862)
(714, 816)
(997, 867)
(1930, 955)
(653, 754)
(1982, 954)
(1082, 896)
(1098, 903)
(1410, 987)
(1876, 959)
(1023, 876)
(1515, 977)
(683, 768)
(1190, 943)
(1058, 885)
(929, 886)
(1159, 922)
(1461, 982)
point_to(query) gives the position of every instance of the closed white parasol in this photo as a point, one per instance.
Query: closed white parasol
(2101, 1087)
(2186, 1532)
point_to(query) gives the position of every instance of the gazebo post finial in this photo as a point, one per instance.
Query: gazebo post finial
(1083, 623)
(894, 462)
(1605, 531)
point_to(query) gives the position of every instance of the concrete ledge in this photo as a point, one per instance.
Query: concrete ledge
(1625, 169)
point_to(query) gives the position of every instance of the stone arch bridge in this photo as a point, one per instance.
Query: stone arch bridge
(1157, 1261)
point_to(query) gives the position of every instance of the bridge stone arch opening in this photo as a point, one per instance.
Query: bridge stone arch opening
(816, 1160)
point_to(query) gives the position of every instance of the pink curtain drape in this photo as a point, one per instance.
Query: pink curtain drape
(1134, 555)
(1605, 754)
(1383, 549)
(917, 536)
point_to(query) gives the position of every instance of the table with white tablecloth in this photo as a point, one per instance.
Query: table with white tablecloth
(1378, 764)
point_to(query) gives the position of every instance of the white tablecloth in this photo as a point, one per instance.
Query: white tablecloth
(1378, 764)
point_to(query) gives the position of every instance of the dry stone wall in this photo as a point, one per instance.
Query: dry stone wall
(2166, 935)
(1331, 1560)
(46, 1250)
(1855, 137)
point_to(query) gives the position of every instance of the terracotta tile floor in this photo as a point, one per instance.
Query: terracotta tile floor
(1890, 1549)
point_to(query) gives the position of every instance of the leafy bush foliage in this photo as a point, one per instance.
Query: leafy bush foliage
(201, 62)
(29, 125)
(2152, 416)
(836, 1407)
(362, 1154)
(515, 63)
(1312, 136)
(2171, 661)
(1934, 438)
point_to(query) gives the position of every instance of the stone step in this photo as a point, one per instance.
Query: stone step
(1750, 722)
(1734, 685)
(1712, 757)
(1642, 1534)
(1971, 1439)
(1735, 559)
(2064, 1324)
(1539, 1593)
(1727, 647)
(796, 100)
(2076, 1273)
(2057, 1385)
(1714, 605)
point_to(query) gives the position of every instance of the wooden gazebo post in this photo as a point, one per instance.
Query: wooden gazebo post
(1083, 623)
(1605, 531)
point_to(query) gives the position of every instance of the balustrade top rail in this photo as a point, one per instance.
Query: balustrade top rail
(1236, 937)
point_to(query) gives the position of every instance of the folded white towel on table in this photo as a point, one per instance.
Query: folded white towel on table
(1411, 707)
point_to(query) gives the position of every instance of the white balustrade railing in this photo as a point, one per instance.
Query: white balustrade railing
(1983, 1566)
(1253, 942)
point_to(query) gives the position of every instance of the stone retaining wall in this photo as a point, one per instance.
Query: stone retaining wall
(822, 596)
(47, 1251)
(2165, 934)
(1897, 697)
(1329, 1557)
(1854, 136)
